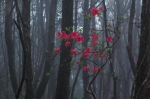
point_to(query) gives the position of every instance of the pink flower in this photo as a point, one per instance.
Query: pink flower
(95, 69)
(94, 43)
(86, 68)
(102, 55)
(67, 43)
(94, 37)
(95, 53)
(94, 11)
(57, 50)
(74, 52)
(109, 39)
(101, 9)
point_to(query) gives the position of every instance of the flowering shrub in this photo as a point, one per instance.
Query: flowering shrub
(85, 52)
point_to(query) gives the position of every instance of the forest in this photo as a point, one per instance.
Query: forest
(74, 49)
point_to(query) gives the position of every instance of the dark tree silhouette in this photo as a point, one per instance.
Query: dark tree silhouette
(63, 85)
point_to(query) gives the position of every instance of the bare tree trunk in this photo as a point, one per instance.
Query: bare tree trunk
(48, 53)
(10, 45)
(142, 63)
(29, 93)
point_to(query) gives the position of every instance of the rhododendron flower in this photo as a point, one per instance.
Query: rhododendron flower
(59, 34)
(87, 50)
(62, 35)
(95, 53)
(85, 55)
(74, 52)
(102, 55)
(67, 43)
(86, 68)
(95, 69)
(78, 62)
(94, 43)
(80, 39)
(94, 11)
(57, 50)
(73, 35)
(94, 37)
(101, 9)
(109, 39)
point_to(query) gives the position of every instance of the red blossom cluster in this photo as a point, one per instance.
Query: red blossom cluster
(94, 40)
(79, 38)
(74, 52)
(96, 11)
(87, 68)
(86, 52)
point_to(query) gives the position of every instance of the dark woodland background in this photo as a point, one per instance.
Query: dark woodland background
(30, 69)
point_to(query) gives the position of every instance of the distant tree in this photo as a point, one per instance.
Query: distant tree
(49, 50)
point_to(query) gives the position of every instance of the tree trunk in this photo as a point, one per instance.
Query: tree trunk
(63, 84)
(50, 46)
(10, 45)
(29, 93)
(142, 63)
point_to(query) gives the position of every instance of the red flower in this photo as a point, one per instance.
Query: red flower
(67, 43)
(78, 62)
(102, 55)
(82, 39)
(109, 39)
(95, 53)
(79, 39)
(94, 43)
(86, 68)
(94, 11)
(101, 9)
(64, 35)
(94, 37)
(95, 69)
(74, 52)
(59, 34)
(85, 55)
(57, 50)
(87, 50)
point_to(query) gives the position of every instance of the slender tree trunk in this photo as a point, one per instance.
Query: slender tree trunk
(50, 46)
(10, 45)
(29, 93)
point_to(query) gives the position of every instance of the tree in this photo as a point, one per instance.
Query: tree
(49, 51)
(10, 45)
(142, 64)
(29, 93)
(63, 86)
